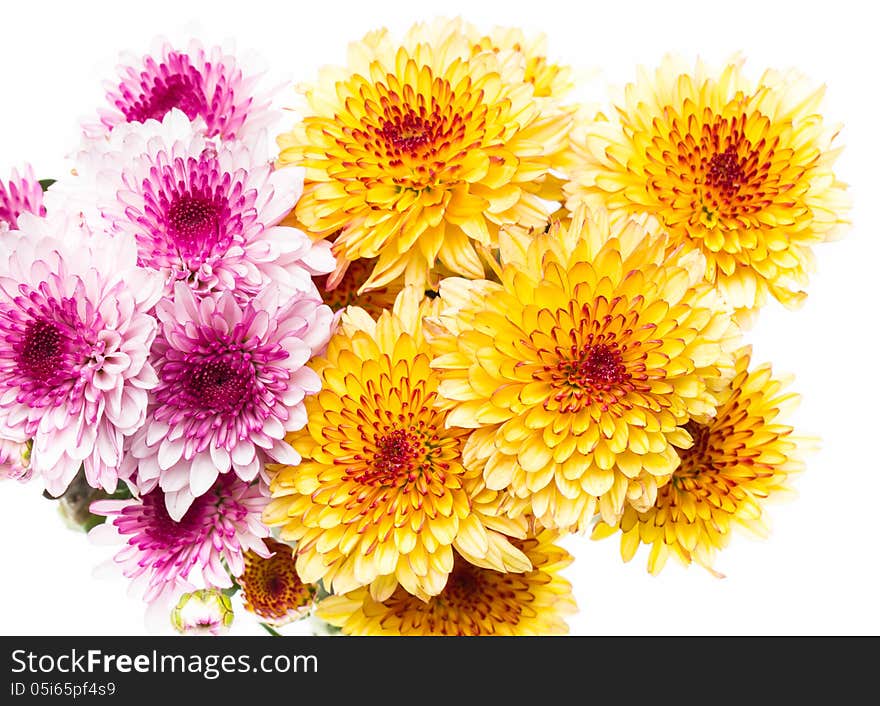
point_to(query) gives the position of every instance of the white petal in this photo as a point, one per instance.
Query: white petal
(178, 502)
(202, 474)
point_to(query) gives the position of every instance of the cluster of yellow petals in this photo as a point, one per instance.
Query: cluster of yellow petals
(578, 360)
(381, 497)
(741, 171)
(419, 150)
(740, 457)
(476, 601)
(578, 370)
(550, 81)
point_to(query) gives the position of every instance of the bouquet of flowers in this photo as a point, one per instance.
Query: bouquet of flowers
(375, 375)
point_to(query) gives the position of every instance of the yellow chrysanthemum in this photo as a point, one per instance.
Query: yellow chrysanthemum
(342, 290)
(475, 601)
(272, 589)
(381, 496)
(420, 149)
(579, 369)
(550, 80)
(739, 458)
(741, 171)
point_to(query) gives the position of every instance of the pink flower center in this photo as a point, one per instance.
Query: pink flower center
(219, 386)
(159, 94)
(194, 213)
(42, 350)
(193, 223)
(162, 531)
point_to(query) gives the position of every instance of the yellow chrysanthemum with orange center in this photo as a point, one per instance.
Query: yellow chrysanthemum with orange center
(419, 151)
(272, 589)
(741, 171)
(475, 601)
(739, 458)
(579, 369)
(381, 497)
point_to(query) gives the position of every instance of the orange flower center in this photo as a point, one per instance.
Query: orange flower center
(398, 453)
(709, 162)
(410, 132)
(725, 171)
(592, 373)
(407, 450)
(345, 293)
(698, 458)
(271, 587)
(472, 600)
(700, 473)
(414, 137)
(599, 366)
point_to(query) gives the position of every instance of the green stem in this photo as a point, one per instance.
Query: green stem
(272, 631)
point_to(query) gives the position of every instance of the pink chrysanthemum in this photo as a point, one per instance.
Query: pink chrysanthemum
(21, 194)
(204, 214)
(15, 461)
(170, 557)
(74, 340)
(203, 83)
(232, 379)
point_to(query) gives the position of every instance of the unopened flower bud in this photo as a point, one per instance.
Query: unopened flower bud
(203, 612)
(15, 460)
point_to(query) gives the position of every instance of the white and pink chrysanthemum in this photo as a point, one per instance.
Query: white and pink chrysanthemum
(206, 83)
(15, 461)
(74, 342)
(232, 379)
(166, 557)
(21, 194)
(200, 213)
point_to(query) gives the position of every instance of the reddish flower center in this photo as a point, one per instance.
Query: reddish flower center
(725, 170)
(160, 530)
(463, 584)
(473, 601)
(271, 587)
(396, 453)
(162, 93)
(220, 386)
(276, 585)
(698, 458)
(193, 222)
(409, 132)
(42, 350)
(598, 367)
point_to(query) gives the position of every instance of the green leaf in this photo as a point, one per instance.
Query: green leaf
(46, 183)
(269, 629)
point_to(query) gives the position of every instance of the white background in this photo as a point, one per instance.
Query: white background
(817, 574)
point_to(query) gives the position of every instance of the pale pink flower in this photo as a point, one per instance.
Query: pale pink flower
(201, 213)
(232, 378)
(74, 341)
